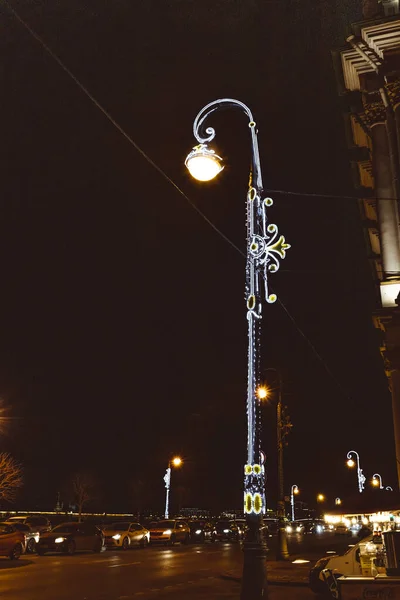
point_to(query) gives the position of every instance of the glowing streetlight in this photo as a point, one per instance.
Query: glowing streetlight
(321, 498)
(262, 392)
(360, 475)
(338, 501)
(175, 462)
(203, 163)
(293, 490)
(265, 248)
(377, 481)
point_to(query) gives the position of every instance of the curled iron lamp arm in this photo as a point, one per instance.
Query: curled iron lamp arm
(204, 135)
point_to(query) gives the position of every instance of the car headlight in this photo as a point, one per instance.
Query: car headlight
(59, 540)
(116, 536)
(167, 532)
(198, 531)
(289, 529)
(298, 528)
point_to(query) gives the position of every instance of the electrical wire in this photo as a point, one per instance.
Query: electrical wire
(119, 127)
(328, 196)
(176, 187)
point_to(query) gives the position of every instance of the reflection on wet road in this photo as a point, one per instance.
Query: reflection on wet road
(118, 575)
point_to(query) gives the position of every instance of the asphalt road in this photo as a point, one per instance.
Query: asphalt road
(147, 574)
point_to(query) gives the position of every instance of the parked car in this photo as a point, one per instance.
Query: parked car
(270, 526)
(40, 524)
(71, 537)
(125, 534)
(169, 531)
(295, 527)
(318, 526)
(12, 541)
(227, 531)
(200, 531)
(349, 564)
(31, 537)
(342, 529)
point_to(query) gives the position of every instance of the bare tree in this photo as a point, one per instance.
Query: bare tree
(10, 477)
(82, 486)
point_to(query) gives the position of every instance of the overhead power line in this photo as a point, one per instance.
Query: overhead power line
(177, 188)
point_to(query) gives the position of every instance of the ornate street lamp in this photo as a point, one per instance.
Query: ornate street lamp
(293, 490)
(174, 462)
(338, 501)
(264, 249)
(377, 481)
(360, 474)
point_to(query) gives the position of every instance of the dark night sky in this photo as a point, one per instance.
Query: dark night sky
(122, 322)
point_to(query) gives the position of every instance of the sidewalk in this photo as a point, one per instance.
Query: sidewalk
(286, 581)
(279, 572)
(227, 589)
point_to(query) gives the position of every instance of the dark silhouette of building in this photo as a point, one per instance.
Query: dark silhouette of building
(368, 78)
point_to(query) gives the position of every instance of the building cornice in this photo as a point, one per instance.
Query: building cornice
(380, 37)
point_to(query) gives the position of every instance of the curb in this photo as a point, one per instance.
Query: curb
(284, 580)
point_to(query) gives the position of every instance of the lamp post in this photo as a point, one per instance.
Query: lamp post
(360, 474)
(282, 428)
(338, 501)
(377, 480)
(264, 249)
(293, 490)
(176, 462)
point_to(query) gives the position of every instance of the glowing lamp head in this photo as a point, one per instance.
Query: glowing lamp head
(350, 463)
(320, 497)
(262, 392)
(177, 461)
(338, 501)
(296, 490)
(203, 164)
(375, 481)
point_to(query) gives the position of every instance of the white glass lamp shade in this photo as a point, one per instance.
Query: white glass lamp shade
(203, 164)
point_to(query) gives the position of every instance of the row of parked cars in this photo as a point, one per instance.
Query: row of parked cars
(27, 534)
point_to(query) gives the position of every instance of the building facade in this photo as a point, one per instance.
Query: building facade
(368, 78)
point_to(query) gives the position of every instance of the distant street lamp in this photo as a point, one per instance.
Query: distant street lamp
(360, 474)
(338, 501)
(377, 480)
(293, 490)
(175, 462)
(320, 498)
(282, 428)
(264, 250)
